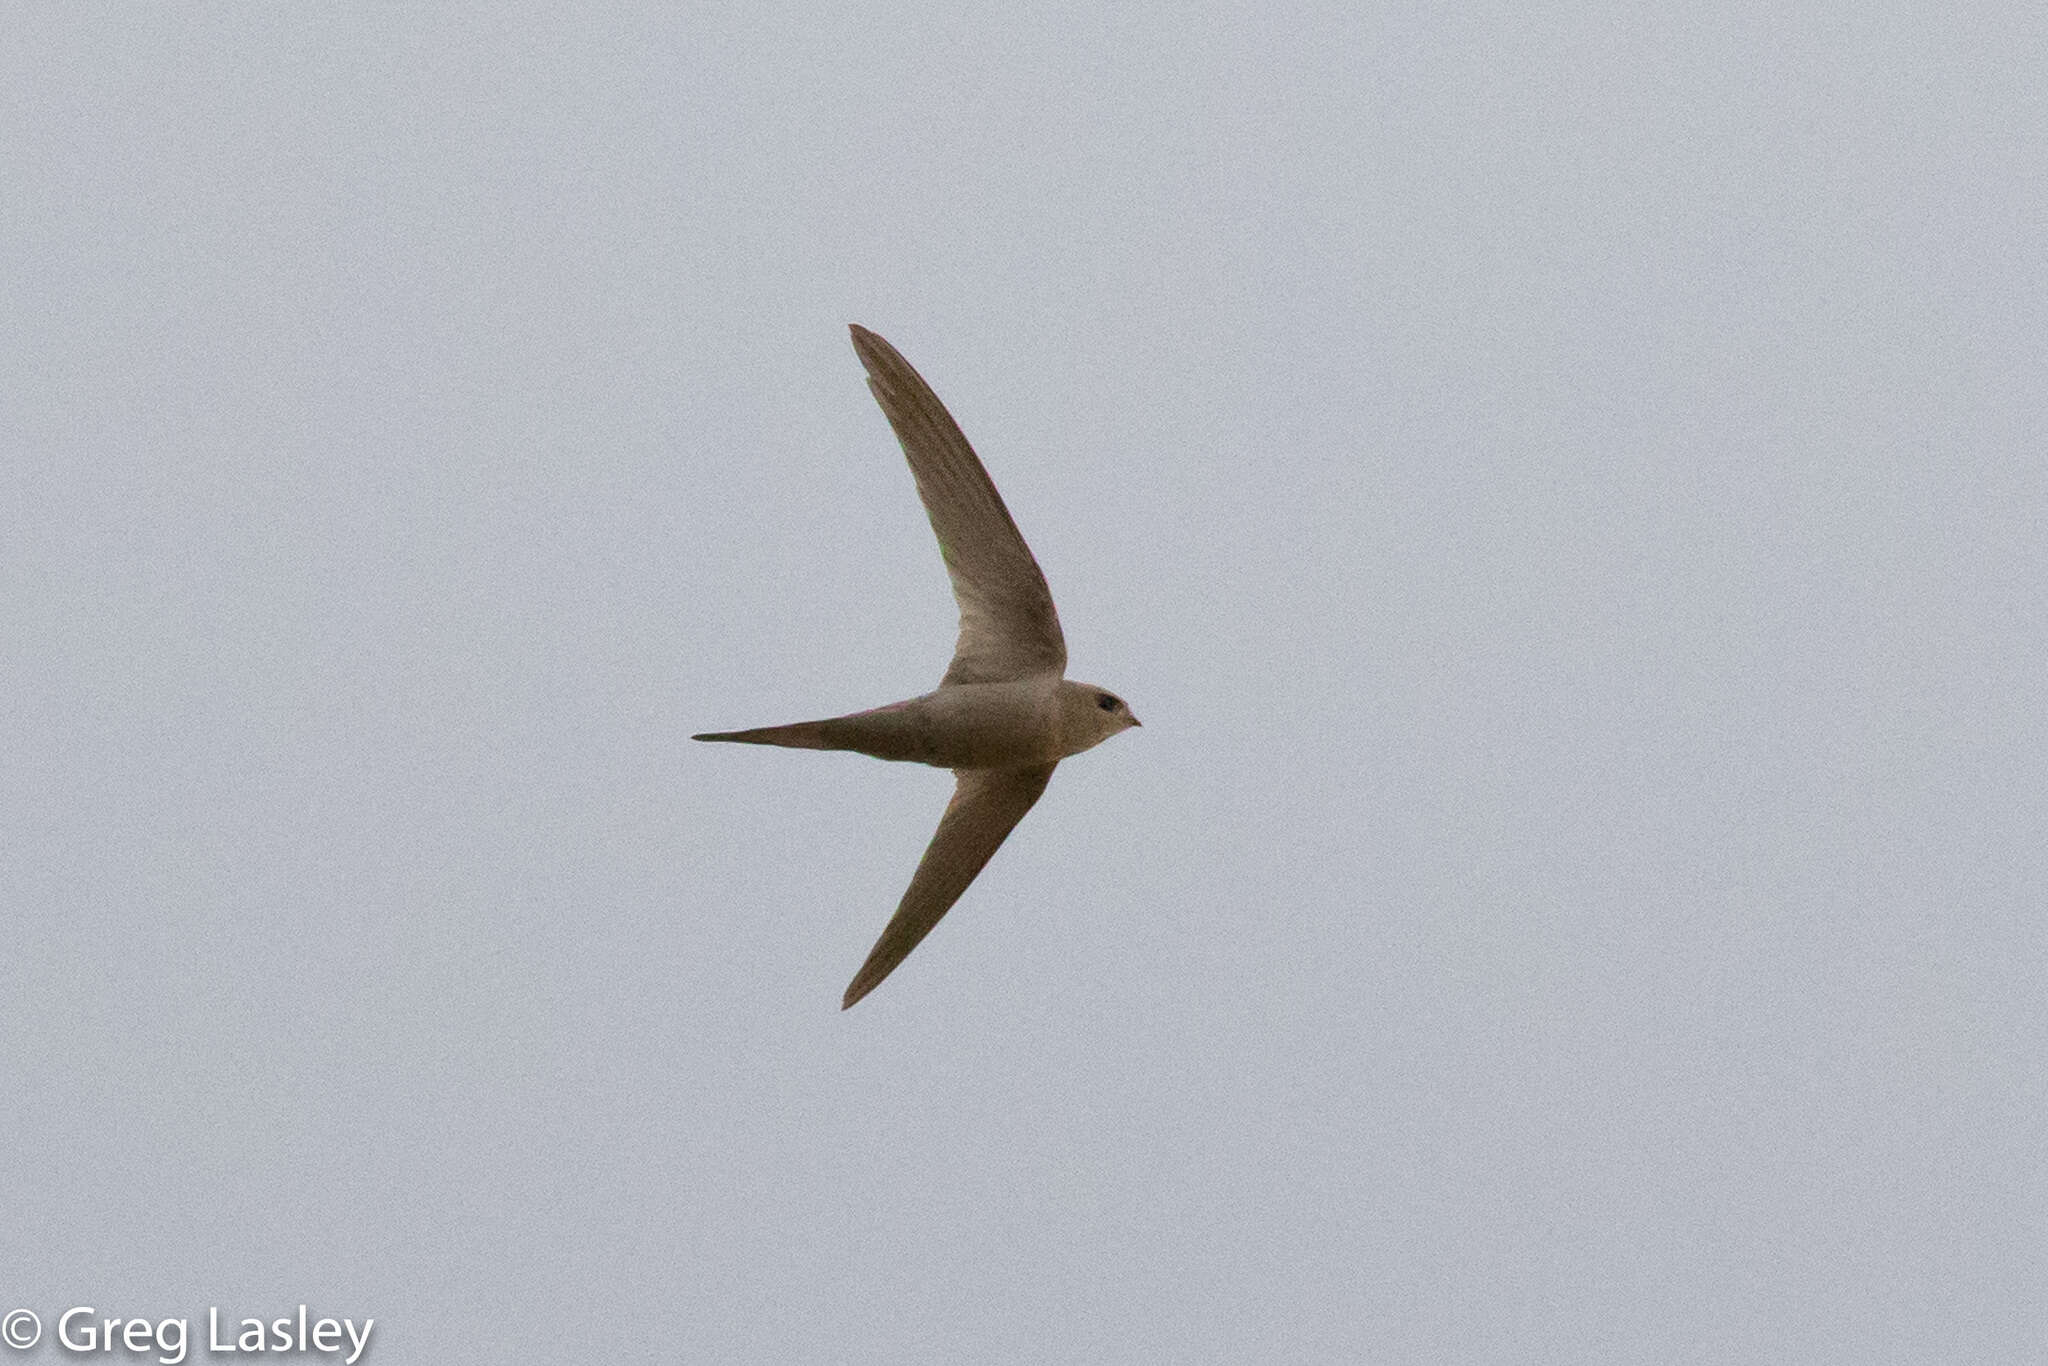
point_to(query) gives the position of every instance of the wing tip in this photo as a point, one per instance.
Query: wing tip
(884, 958)
(875, 352)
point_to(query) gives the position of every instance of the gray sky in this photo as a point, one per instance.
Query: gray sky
(1564, 489)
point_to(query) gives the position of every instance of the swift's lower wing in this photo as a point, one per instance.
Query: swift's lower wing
(987, 804)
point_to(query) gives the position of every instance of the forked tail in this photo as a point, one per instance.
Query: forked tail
(801, 735)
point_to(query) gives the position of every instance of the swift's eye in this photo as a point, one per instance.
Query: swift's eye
(1106, 702)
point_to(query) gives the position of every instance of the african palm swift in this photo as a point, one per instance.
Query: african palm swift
(1004, 715)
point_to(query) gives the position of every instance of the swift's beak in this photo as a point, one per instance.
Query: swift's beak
(1135, 721)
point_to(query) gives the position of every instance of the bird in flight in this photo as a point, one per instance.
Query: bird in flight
(1004, 715)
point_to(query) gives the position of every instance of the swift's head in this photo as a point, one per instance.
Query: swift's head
(1089, 715)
